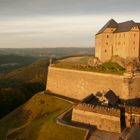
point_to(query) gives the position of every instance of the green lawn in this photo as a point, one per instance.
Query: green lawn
(39, 115)
(106, 67)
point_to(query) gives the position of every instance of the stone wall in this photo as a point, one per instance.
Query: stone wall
(79, 84)
(132, 115)
(103, 118)
(124, 44)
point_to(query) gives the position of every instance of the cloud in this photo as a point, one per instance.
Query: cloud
(29, 23)
(19, 8)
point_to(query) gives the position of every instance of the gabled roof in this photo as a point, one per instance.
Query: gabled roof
(120, 27)
(110, 24)
(111, 97)
(125, 26)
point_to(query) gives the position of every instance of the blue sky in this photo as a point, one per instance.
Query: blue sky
(59, 23)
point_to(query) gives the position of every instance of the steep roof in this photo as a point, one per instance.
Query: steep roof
(111, 97)
(125, 26)
(110, 24)
(120, 27)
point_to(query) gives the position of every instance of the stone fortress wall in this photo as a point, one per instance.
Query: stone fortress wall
(132, 115)
(101, 117)
(79, 84)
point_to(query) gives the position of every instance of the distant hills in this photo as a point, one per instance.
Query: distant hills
(10, 62)
(43, 52)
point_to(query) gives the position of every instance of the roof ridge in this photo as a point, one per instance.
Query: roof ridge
(120, 27)
(127, 21)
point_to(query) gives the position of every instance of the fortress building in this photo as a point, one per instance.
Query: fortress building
(121, 39)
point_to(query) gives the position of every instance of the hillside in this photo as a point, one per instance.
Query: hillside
(35, 120)
(12, 62)
(18, 86)
(36, 71)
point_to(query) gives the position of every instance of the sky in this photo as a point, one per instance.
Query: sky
(59, 23)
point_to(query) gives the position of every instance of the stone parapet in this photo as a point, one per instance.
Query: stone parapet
(98, 109)
(132, 109)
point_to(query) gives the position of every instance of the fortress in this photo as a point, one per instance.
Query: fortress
(122, 39)
(119, 39)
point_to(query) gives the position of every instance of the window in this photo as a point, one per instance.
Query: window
(119, 43)
(124, 43)
(134, 42)
(107, 36)
(124, 35)
(106, 43)
(105, 50)
(134, 35)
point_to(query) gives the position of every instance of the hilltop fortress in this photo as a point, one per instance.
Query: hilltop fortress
(79, 84)
(122, 39)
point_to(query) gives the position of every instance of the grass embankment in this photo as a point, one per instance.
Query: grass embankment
(35, 120)
(81, 63)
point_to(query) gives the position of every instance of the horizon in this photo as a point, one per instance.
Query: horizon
(59, 23)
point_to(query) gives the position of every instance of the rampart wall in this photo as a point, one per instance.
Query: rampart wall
(79, 84)
(102, 117)
(132, 115)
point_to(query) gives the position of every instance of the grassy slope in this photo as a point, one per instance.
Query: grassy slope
(107, 67)
(36, 71)
(39, 114)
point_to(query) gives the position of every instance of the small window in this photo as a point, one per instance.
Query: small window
(107, 36)
(119, 43)
(134, 48)
(124, 35)
(134, 35)
(105, 50)
(124, 43)
(134, 42)
(106, 43)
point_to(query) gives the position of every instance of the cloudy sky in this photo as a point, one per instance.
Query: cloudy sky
(59, 23)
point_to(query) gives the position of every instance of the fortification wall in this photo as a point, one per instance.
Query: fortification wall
(134, 88)
(102, 118)
(132, 115)
(79, 84)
